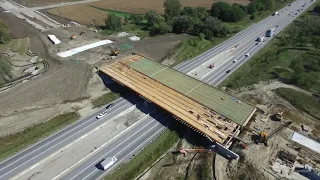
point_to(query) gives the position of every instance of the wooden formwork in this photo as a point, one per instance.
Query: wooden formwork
(193, 113)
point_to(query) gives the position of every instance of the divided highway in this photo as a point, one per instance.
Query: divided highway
(131, 141)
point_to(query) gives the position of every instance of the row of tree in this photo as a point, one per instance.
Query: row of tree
(192, 20)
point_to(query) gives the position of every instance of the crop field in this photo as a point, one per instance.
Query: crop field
(97, 15)
(83, 14)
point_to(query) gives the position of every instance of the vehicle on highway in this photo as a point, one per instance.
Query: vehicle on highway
(270, 32)
(260, 39)
(228, 71)
(276, 13)
(109, 106)
(108, 162)
(257, 43)
(247, 55)
(277, 25)
(234, 61)
(289, 4)
(211, 66)
(296, 13)
(102, 114)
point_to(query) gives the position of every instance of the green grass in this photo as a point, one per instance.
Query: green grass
(13, 143)
(104, 99)
(301, 101)
(277, 61)
(116, 13)
(5, 68)
(145, 158)
(191, 48)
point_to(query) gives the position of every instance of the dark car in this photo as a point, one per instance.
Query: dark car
(228, 71)
(109, 106)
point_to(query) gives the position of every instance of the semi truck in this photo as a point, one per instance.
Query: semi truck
(108, 162)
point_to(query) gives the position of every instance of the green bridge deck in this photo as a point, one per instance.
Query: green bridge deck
(222, 103)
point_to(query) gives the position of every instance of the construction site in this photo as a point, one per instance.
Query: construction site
(200, 106)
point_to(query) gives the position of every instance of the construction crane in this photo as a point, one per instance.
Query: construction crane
(265, 136)
(192, 151)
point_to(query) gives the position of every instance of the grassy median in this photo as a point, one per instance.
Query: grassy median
(146, 157)
(104, 99)
(13, 143)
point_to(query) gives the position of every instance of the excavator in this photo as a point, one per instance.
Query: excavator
(264, 136)
(114, 52)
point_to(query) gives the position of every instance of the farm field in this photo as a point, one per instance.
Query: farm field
(96, 16)
(76, 13)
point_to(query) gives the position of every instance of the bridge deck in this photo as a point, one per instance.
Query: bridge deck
(189, 110)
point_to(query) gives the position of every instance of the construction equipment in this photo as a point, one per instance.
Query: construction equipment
(279, 116)
(114, 52)
(265, 136)
(73, 37)
(191, 151)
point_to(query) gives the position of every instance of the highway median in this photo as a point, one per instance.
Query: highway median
(13, 143)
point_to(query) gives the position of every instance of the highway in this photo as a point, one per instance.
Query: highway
(145, 130)
(32, 155)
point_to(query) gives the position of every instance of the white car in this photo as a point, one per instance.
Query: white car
(247, 55)
(102, 114)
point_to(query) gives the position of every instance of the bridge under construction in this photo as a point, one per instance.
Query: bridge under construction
(204, 108)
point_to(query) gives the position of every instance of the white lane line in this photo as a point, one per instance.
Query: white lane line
(56, 139)
(222, 69)
(151, 137)
(24, 162)
(77, 124)
(108, 142)
(159, 71)
(226, 43)
(194, 88)
(258, 27)
(216, 67)
(80, 122)
(119, 145)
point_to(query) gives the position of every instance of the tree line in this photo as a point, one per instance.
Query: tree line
(196, 21)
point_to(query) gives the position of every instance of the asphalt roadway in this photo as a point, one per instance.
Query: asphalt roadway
(145, 130)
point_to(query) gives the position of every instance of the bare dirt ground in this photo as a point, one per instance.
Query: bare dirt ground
(76, 13)
(70, 84)
(95, 16)
(256, 160)
(264, 98)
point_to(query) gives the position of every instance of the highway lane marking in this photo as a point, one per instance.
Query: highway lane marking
(216, 67)
(225, 43)
(153, 137)
(237, 66)
(230, 41)
(213, 78)
(80, 122)
(108, 142)
(61, 149)
(120, 144)
(52, 147)
(258, 27)
(222, 69)
(84, 122)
